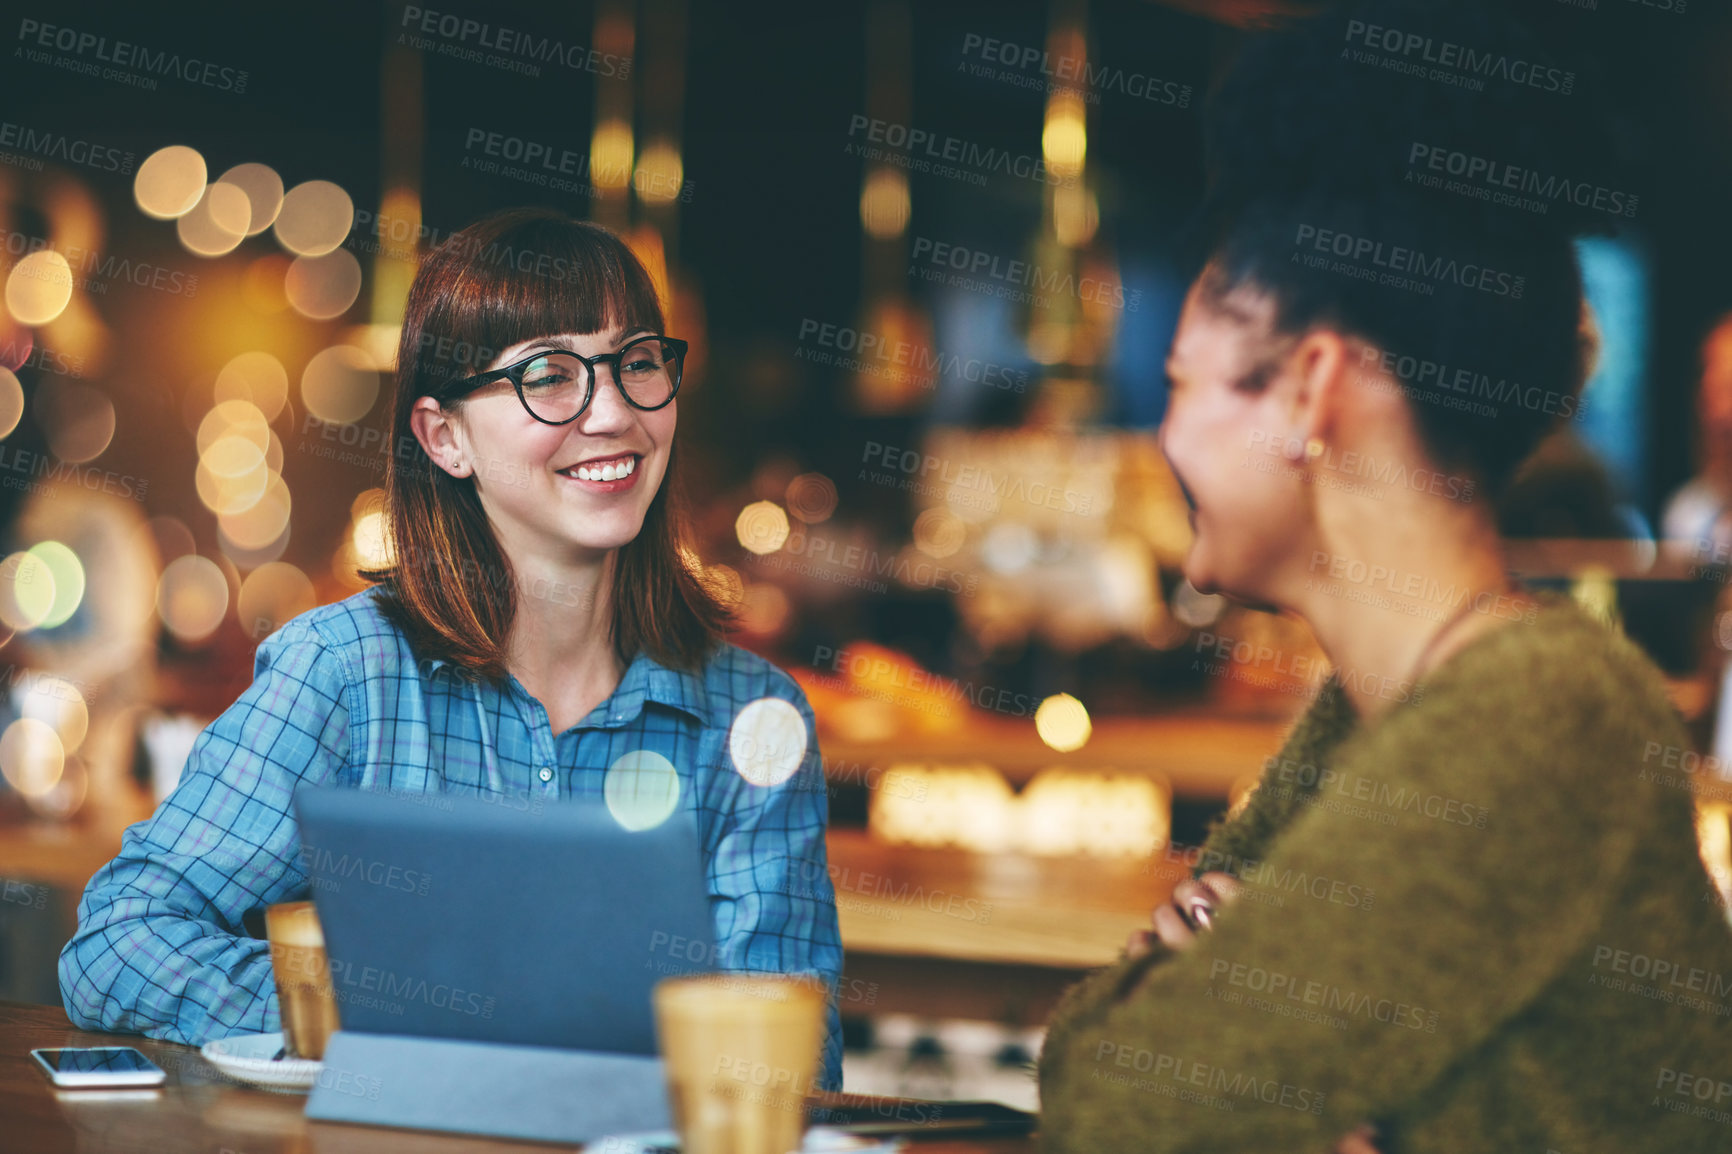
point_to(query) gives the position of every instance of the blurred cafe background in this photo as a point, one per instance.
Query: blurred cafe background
(928, 259)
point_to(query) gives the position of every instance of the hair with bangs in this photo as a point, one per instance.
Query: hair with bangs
(509, 278)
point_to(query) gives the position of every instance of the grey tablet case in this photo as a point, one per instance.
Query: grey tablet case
(493, 960)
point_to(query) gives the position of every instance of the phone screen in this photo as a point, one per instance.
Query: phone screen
(98, 1060)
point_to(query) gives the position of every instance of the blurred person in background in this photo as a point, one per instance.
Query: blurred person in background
(1700, 512)
(1417, 933)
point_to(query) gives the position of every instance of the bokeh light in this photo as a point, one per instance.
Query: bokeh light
(811, 497)
(1063, 723)
(316, 216)
(31, 756)
(340, 384)
(169, 182)
(884, 203)
(264, 193)
(270, 596)
(234, 418)
(217, 223)
(767, 741)
(939, 533)
(323, 287)
(68, 580)
(259, 524)
(1064, 140)
(191, 597)
(56, 702)
(11, 402)
(641, 788)
(77, 419)
(660, 173)
(256, 378)
(368, 540)
(762, 527)
(610, 151)
(39, 287)
(26, 591)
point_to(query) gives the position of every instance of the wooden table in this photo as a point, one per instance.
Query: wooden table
(198, 1111)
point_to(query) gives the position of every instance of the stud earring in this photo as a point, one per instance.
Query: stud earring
(1313, 449)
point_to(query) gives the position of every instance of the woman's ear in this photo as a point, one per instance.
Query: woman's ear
(1317, 367)
(441, 435)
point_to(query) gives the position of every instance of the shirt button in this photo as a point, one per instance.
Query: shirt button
(546, 773)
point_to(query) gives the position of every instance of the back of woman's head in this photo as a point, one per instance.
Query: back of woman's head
(1413, 173)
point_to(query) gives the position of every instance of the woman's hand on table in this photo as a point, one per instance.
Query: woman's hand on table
(1173, 920)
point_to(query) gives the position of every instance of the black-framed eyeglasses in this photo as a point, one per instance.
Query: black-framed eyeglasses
(556, 385)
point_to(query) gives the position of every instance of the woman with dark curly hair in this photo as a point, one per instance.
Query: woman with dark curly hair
(1463, 910)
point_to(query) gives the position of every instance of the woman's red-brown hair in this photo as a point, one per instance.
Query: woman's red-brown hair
(506, 279)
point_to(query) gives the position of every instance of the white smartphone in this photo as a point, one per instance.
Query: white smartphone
(99, 1066)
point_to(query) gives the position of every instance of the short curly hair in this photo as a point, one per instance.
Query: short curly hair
(1414, 173)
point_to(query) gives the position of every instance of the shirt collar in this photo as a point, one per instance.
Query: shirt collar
(645, 679)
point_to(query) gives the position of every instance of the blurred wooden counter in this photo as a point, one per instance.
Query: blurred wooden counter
(1199, 754)
(927, 931)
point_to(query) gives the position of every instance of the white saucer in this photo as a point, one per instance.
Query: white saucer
(247, 1058)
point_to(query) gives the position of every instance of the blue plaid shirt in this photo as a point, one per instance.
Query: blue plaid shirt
(338, 697)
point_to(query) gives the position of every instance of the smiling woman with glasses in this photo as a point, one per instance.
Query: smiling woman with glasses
(539, 634)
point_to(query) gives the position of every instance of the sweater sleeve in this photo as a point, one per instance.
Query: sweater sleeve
(1450, 862)
(1231, 840)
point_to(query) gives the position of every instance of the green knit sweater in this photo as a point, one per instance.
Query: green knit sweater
(1479, 921)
